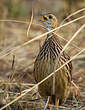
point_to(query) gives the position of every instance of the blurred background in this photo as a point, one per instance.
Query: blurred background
(15, 16)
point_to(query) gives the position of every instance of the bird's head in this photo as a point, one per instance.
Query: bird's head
(49, 21)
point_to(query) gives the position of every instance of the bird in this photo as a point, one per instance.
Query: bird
(48, 60)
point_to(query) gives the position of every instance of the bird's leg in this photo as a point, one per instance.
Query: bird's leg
(57, 103)
(50, 107)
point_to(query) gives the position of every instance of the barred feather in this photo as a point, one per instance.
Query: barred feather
(52, 46)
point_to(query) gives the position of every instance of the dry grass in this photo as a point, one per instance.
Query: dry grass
(16, 88)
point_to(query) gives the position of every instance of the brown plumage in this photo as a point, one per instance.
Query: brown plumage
(45, 64)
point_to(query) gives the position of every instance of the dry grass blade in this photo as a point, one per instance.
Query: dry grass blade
(73, 38)
(72, 14)
(67, 41)
(83, 108)
(12, 20)
(28, 90)
(17, 21)
(40, 36)
(47, 103)
(74, 85)
(30, 23)
(10, 83)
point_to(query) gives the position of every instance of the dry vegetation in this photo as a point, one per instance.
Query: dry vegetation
(20, 43)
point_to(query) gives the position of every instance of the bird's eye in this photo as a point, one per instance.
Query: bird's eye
(50, 17)
(45, 18)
